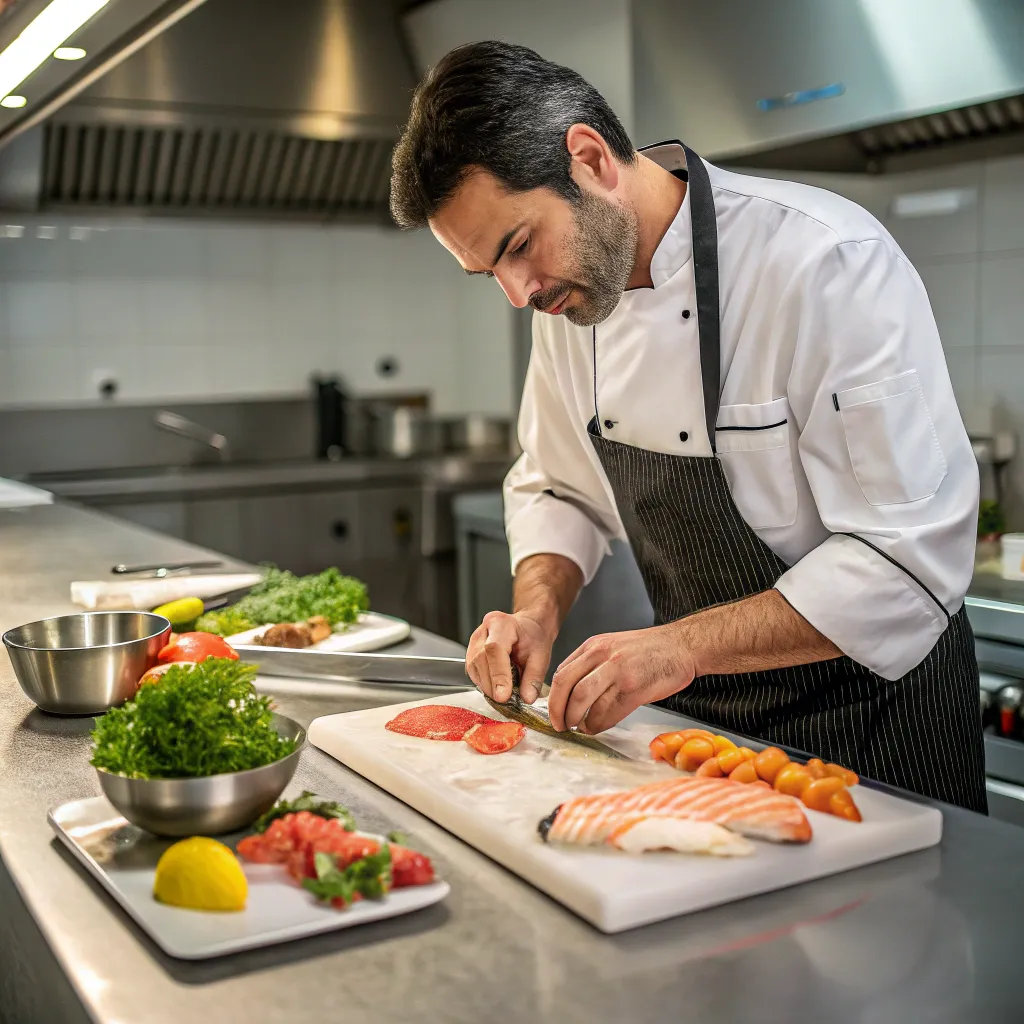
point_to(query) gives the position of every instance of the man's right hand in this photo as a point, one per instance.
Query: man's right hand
(502, 639)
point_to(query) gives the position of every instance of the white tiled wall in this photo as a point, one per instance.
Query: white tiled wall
(182, 309)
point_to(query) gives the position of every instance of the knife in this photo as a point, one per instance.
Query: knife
(537, 718)
(410, 670)
(160, 571)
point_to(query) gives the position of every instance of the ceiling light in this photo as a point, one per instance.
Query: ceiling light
(48, 30)
(13, 101)
(69, 53)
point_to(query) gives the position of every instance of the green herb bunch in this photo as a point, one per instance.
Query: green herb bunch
(285, 597)
(306, 802)
(369, 876)
(192, 722)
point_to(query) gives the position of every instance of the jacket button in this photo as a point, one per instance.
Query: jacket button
(686, 314)
(683, 435)
(608, 424)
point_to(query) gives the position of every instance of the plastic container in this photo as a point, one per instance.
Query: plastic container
(1013, 556)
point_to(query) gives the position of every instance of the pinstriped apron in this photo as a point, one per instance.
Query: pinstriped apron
(694, 550)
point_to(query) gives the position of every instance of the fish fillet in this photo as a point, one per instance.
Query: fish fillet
(754, 811)
(679, 834)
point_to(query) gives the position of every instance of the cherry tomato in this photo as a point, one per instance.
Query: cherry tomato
(744, 772)
(818, 794)
(658, 750)
(792, 779)
(196, 647)
(722, 743)
(730, 759)
(711, 769)
(769, 761)
(842, 806)
(693, 753)
(850, 778)
(816, 767)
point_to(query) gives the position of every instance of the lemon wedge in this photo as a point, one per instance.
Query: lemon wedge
(181, 612)
(200, 874)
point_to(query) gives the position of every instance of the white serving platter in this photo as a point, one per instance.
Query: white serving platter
(495, 804)
(372, 632)
(123, 858)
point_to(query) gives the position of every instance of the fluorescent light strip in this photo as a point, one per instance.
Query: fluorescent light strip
(55, 23)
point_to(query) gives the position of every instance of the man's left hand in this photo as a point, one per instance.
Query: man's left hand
(611, 675)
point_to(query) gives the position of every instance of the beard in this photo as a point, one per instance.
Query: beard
(602, 254)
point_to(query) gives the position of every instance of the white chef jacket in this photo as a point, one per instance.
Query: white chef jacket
(852, 464)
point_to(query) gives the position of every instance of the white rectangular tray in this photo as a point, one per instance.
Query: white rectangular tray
(495, 804)
(123, 859)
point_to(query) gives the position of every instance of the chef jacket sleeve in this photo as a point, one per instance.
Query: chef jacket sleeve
(555, 497)
(887, 457)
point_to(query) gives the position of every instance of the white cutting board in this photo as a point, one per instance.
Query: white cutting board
(372, 632)
(495, 803)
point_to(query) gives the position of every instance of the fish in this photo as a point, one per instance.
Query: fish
(517, 710)
(757, 812)
(682, 835)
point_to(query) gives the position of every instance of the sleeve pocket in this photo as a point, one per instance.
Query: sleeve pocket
(753, 443)
(891, 438)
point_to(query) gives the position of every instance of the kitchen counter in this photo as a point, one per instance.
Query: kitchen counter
(932, 936)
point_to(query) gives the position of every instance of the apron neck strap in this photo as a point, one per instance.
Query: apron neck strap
(704, 230)
(704, 234)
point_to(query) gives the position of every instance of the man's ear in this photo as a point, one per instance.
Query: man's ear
(594, 167)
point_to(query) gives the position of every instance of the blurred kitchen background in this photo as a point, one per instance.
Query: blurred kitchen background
(209, 326)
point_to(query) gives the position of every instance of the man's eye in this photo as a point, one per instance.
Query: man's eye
(520, 249)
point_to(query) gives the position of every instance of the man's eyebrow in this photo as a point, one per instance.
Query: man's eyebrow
(502, 246)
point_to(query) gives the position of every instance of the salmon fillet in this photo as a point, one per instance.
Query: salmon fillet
(754, 811)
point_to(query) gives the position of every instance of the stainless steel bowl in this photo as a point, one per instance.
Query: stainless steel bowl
(83, 664)
(205, 807)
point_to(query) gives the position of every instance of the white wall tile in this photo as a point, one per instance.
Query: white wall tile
(44, 375)
(953, 291)
(239, 252)
(237, 309)
(1002, 210)
(174, 311)
(940, 235)
(108, 309)
(1002, 302)
(172, 251)
(30, 257)
(39, 310)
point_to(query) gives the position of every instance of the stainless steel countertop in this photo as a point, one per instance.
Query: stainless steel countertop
(162, 483)
(933, 936)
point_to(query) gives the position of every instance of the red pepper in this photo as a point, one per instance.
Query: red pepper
(197, 647)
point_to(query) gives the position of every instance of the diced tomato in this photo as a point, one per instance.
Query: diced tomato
(197, 647)
(409, 867)
(295, 839)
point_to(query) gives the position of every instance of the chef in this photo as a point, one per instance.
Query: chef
(743, 378)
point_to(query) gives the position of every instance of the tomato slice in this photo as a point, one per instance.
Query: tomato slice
(196, 647)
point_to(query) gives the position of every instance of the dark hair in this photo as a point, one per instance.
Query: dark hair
(502, 108)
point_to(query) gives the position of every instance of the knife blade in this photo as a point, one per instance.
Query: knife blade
(536, 718)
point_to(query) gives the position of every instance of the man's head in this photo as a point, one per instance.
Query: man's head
(517, 165)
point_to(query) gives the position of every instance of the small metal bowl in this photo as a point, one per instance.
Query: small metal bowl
(209, 806)
(83, 664)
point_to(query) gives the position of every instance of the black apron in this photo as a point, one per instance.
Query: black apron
(693, 548)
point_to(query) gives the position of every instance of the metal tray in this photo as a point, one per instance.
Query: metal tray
(123, 859)
(373, 667)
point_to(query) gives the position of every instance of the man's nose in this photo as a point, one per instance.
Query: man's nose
(517, 287)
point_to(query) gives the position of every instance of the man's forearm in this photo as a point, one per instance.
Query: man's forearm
(545, 588)
(758, 633)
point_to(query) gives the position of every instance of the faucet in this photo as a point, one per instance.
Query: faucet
(182, 427)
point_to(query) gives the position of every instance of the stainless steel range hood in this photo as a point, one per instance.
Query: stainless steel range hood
(854, 85)
(245, 107)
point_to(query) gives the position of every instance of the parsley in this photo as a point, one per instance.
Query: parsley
(369, 876)
(284, 597)
(307, 802)
(195, 721)
(397, 837)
